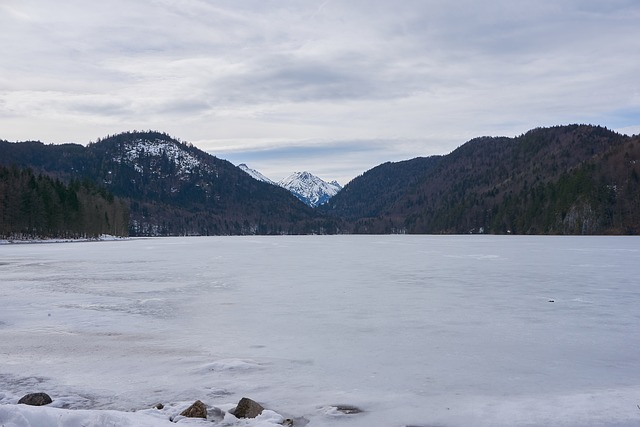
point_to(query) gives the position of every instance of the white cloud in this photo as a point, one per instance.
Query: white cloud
(261, 76)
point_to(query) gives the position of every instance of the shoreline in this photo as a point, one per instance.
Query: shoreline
(101, 238)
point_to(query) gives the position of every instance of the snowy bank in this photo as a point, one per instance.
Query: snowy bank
(17, 415)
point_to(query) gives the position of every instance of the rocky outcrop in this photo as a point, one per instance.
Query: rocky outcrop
(35, 399)
(197, 410)
(348, 409)
(247, 408)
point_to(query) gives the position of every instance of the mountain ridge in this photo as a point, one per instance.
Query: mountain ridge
(307, 187)
(572, 179)
(557, 180)
(173, 188)
(255, 174)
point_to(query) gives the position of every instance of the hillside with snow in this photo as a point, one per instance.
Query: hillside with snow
(169, 188)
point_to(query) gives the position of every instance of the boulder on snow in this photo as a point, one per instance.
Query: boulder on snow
(348, 409)
(197, 410)
(247, 408)
(35, 399)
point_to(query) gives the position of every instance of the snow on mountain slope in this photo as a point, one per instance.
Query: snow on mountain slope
(136, 150)
(309, 188)
(255, 174)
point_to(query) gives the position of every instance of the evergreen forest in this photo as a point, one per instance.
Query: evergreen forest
(37, 206)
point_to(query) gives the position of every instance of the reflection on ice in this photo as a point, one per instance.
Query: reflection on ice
(413, 330)
(149, 307)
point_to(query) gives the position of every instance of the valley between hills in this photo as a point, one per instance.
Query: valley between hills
(564, 180)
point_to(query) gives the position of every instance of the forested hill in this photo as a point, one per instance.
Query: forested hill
(371, 194)
(172, 188)
(575, 179)
(36, 206)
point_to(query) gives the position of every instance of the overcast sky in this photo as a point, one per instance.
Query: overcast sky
(334, 87)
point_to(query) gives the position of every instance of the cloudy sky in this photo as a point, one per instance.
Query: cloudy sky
(334, 87)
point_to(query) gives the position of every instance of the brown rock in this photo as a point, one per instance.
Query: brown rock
(197, 410)
(247, 408)
(35, 399)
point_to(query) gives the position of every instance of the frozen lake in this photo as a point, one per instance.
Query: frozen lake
(430, 331)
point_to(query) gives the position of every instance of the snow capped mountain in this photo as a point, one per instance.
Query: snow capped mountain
(309, 188)
(255, 174)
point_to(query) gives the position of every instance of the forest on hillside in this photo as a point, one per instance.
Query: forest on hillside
(35, 206)
(573, 179)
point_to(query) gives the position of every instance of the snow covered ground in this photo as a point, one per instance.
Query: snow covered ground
(414, 330)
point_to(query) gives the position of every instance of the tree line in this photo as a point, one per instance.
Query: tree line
(37, 206)
(575, 179)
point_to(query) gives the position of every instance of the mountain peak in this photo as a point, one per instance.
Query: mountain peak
(309, 188)
(255, 174)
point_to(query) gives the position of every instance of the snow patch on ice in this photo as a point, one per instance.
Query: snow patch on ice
(31, 416)
(232, 365)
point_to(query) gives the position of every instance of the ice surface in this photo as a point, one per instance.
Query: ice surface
(413, 330)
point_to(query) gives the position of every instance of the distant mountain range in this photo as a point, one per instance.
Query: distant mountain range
(576, 179)
(310, 189)
(172, 188)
